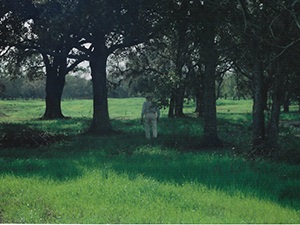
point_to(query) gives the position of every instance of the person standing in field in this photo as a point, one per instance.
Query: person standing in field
(149, 116)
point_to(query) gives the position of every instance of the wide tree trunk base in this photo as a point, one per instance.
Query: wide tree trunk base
(103, 129)
(259, 151)
(54, 117)
(53, 107)
(171, 116)
(100, 132)
(181, 115)
(212, 141)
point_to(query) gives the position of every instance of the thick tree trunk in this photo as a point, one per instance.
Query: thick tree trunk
(101, 122)
(258, 134)
(55, 82)
(277, 99)
(273, 127)
(179, 100)
(199, 102)
(209, 90)
(171, 106)
(286, 103)
(210, 112)
(180, 62)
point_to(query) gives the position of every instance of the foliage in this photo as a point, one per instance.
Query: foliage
(235, 87)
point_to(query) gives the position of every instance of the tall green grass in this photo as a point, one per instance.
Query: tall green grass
(127, 179)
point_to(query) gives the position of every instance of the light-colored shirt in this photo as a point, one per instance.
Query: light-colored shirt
(149, 107)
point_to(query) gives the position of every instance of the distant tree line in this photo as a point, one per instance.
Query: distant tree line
(78, 87)
(75, 88)
(175, 48)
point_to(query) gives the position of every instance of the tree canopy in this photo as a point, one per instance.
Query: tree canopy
(182, 48)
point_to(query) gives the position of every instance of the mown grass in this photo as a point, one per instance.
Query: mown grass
(126, 179)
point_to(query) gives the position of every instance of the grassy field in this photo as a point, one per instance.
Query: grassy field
(126, 179)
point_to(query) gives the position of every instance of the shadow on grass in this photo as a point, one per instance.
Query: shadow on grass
(172, 158)
(28, 152)
(16, 135)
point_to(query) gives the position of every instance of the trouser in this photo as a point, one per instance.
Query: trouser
(150, 122)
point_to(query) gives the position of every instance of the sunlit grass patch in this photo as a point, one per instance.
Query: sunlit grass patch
(104, 196)
(230, 106)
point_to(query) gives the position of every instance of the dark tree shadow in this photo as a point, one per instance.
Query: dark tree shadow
(172, 158)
